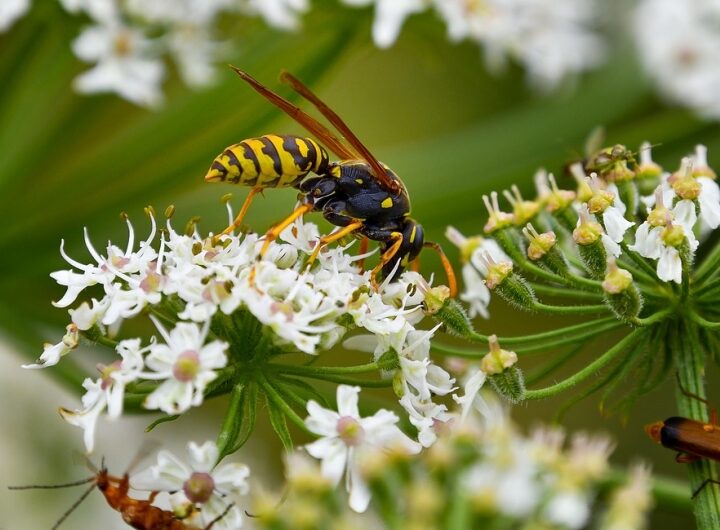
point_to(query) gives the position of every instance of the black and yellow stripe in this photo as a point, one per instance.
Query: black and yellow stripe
(270, 161)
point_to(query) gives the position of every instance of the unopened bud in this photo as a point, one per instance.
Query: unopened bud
(435, 299)
(523, 211)
(497, 273)
(453, 316)
(497, 359)
(700, 165)
(510, 384)
(600, 201)
(684, 183)
(673, 235)
(621, 294)
(540, 244)
(648, 172)
(497, 219)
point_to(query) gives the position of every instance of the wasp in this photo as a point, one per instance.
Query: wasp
(694, 440)
(139, 514)
(360, 195)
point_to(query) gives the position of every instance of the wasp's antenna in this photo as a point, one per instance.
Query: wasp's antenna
(72, 508)
(53, 486)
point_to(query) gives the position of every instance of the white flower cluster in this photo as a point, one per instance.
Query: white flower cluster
(550, 38)
(682, 210)
(193, 281)
(129, 40)
(534, 479)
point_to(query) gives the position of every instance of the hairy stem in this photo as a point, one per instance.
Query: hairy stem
(690, 365)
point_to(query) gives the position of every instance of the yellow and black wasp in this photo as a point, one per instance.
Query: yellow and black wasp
(357, 193)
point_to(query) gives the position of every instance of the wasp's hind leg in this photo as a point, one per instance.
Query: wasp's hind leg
(272, 234)
(241, 214)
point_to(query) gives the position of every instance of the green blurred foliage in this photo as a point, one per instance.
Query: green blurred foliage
(426, 107)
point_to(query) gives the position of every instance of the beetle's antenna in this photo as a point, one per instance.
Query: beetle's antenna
(72, 508)
(53, 486)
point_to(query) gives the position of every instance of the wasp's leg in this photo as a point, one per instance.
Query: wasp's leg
(241, 214)
(449, 271)
(702, 486)
(272, 234)
(330, 238)
(395, 242)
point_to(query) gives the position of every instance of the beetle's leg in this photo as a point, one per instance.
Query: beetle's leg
(686, 458)
(397, 239)
(702, 486)
(223, 514)
(713, 411)
(330, 238)
(446, 265)
(241, 214)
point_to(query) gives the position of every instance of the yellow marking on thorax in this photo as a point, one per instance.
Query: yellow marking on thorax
(290, 171)
(359, 181)
(412, 234)
(335, 171)
(387, 203)
(267, 170)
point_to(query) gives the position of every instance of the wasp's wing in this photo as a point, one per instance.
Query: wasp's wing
(308, 122)
(341, 126)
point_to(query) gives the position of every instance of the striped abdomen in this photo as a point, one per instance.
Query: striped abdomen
(270, 161)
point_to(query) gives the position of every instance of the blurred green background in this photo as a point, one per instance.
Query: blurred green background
(426, 107)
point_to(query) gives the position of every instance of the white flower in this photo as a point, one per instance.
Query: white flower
(53, 352)
(476, 292)
(568, 509)
(281, 14)
(103, 11)
(201, 483)
(125, 64)
(10, 11)
(185, 363)
(346, 436)
(389, 17)
(684, 61)
(550, 38)
(108, 391)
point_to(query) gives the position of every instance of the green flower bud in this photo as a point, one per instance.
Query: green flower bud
(497, 359)
(453, 316)
(621, 294)
(435, 299)
(510, 384)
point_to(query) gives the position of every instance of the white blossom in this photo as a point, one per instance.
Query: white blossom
(108, 391)
(10, 11)
(345, 437)
(200, 484)
(53, 352)
(185, 364)
(125, 63)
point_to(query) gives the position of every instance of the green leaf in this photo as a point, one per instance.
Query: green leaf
(230, 429)
(158, 421)
(278, 422)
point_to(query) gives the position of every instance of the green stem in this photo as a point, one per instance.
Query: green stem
(311, 371)
(279, 402)
(591, 369)
(690, 364)
(708, 267)
(570, 309)
(700, 321)
(543, 371)
(334, 378)
(560, 332)
(709, 287)
(99, 338)
(654, 318)
(549, 290)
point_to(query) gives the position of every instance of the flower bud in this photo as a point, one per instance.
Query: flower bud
(588, 236)
(511, 287)
(497, 359)
(648, 172)
(523, 211)
(497, 219)
(621, 294)
(435, 299)
(453, 316)
(543, 249)
(510, 384)
(684, 183)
